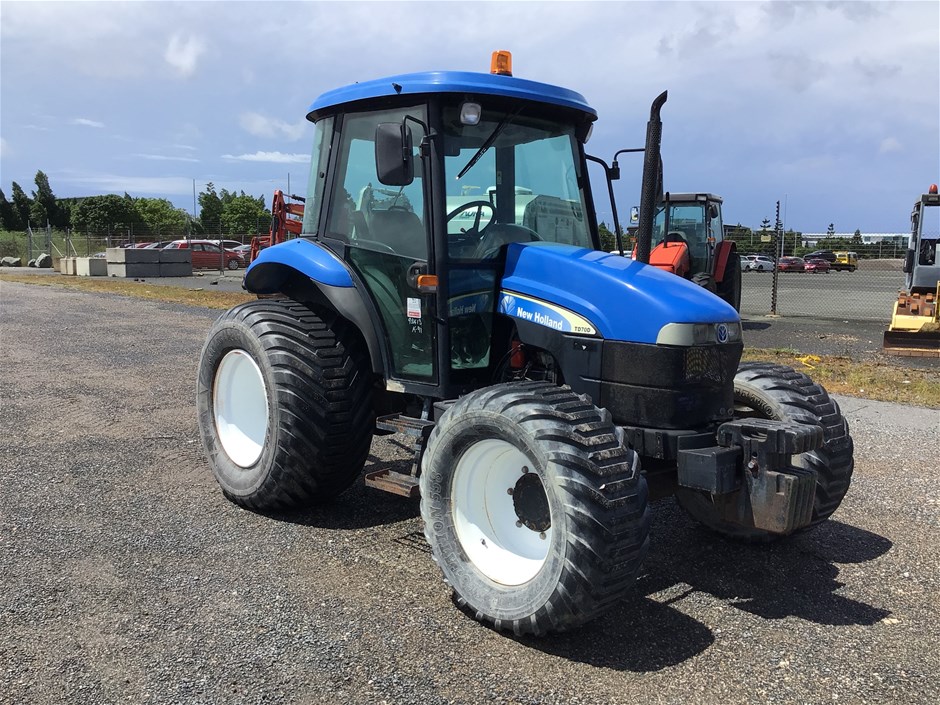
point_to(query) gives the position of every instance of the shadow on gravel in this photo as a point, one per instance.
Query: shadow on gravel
(792, 577)
(640, 635)
(359, 507)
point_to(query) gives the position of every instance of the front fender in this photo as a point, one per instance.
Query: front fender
(276, 269)
(268, 273)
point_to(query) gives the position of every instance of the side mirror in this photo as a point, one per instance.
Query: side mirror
(635, 214)
(713, 210)
(394, 158)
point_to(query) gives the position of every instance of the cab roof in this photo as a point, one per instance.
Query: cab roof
(459, 82)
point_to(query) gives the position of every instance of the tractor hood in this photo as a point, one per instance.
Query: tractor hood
(620, 298)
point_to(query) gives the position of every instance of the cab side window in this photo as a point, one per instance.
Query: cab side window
(364, 211)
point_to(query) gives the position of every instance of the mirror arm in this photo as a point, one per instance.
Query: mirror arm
(425, 147)
(613, 204)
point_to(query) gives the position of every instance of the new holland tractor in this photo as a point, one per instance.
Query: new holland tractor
(448, 285)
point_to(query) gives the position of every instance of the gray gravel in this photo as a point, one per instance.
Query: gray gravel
(127, 577)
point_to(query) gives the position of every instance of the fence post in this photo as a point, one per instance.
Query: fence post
(773, 290)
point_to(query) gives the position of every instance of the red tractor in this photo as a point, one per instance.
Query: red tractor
(691, 244)
(286, 223)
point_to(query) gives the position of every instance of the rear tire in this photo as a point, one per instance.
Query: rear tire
(284, 409)
(567, 542)
(778, 392)
(729, 288)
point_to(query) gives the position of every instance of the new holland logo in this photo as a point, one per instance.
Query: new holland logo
(721, 332)
(508, 305)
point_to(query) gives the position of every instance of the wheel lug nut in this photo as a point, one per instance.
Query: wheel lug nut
(509, 490)
(542, 535)
(525, 469)
(518, 524)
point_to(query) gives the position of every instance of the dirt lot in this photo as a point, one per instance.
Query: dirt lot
(127, 577)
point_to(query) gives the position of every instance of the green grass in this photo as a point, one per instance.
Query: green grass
(124, 287)
(869, 380)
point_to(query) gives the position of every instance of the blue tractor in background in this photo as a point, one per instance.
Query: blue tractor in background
(448, 284)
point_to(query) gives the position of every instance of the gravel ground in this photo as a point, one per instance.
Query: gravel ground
(127, 577)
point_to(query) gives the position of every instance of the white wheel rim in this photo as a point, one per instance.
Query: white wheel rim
(485, 519)
(240, 403)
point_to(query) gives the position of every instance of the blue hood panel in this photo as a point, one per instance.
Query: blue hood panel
(623, 299)
(267, 271)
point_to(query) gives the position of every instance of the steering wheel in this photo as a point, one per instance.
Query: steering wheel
(479, 205)
(502, 234)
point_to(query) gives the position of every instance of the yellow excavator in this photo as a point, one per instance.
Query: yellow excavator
(915, 324)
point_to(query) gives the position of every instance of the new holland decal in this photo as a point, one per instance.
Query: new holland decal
(543, 313)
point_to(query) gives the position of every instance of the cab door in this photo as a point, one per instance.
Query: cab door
(387, 235)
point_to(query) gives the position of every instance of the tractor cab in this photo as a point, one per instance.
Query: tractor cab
(453, 214)
(687, 230)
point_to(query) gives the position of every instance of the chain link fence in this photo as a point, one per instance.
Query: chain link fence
(868, 293)
(89, 242)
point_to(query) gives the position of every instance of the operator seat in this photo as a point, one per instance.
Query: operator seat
(401, 230)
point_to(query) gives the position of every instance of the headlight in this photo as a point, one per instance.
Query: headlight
(689, 334)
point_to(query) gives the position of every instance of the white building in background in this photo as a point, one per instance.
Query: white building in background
(810, 239)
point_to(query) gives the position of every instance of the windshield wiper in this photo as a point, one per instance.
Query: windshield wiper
(489, 142)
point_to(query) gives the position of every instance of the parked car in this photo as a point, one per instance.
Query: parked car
(227, 244)
(206, 254)
(816, 265)
(827, 255)
(759, 263)
(791, 264)
(159, 245)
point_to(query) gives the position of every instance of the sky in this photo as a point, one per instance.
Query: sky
(832, 108)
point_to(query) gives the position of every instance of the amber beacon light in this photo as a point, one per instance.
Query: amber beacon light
(501, 63)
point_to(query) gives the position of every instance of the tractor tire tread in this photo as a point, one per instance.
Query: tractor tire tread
(323, 387)
(604, 495)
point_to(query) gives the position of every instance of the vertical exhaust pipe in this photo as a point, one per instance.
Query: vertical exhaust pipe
(652, 180)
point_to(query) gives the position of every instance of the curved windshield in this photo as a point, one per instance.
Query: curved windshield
(511, 178)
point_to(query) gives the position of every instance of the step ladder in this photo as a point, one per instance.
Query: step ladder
(389, 480)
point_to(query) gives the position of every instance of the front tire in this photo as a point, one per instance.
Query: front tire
(781, 393)
(283, 402)
(534, 508)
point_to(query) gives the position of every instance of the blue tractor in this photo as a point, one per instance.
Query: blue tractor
(448, 284)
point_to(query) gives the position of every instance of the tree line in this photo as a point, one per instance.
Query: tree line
(222, 212)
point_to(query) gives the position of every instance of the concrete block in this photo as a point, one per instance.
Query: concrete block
(176, 269)
(134, 269)
(69, 265)
(128, 255)
(62, 264)
(175, 256)
(90, 267)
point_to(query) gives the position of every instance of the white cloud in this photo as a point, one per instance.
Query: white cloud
(4, 147)
(271, 157)
(889, 144)
(117, 183)
(86, 122)
(165, 158)
(264, 126)
(182, 53)
(187, 147)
